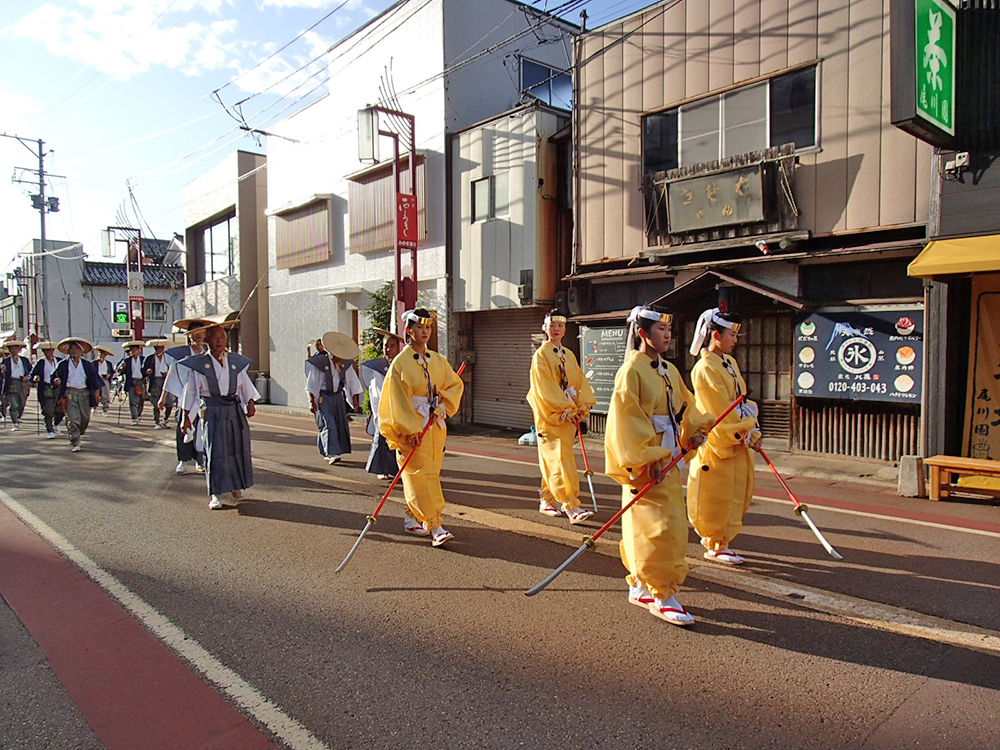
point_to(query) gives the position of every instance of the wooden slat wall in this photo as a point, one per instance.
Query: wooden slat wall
(867, 174)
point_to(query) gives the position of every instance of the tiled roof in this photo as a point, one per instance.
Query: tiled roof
(113, 274)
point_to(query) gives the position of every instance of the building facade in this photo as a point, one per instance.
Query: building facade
(740, 154)
(331, 219)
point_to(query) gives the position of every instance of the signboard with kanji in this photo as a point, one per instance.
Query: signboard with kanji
(119, 313)
(716, 200)
(982, 416)
(863, 356)
(406, 222)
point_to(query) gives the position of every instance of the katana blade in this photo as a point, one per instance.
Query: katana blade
(587, 544)
(586, 464)
(357, 544)
(593, 497)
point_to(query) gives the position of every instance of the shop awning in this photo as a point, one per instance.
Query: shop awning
(708, 279)
(965, 255)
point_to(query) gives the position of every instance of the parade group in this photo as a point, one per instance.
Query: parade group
(653, 421)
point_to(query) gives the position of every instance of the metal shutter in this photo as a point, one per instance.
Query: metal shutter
(501, 375)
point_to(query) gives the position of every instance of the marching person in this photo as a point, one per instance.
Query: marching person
(154, 370)
(217, 386)
(559, 397)
(16, 382)
(721, 478)
(333, 387)
(381, 460)
(652, 414)
(79, 385)
(43, 375)
(420, 388)
(106, 369)
(188, 452)
(130, 369)
(3, 393)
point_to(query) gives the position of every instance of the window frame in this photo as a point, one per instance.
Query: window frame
(491, 212)
(547, 81)
(149, 305)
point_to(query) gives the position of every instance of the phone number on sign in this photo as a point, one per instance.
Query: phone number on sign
(857, 387)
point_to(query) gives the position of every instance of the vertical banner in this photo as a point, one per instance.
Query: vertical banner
(406, 222)
(982, 415)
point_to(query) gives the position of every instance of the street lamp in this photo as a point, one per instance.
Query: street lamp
(405, 224)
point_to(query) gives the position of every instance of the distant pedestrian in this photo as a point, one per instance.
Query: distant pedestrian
(188, 451)
(43, 375)
(79, 386)
(333, 387)
(218, 387)
(106, 369)
(154, 369)
(15, 385)
(130, 369)
(381, 458)
(3, 394)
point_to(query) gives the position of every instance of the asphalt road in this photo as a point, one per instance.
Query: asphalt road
(438, 648)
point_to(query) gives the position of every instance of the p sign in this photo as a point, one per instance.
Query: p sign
(119, 313)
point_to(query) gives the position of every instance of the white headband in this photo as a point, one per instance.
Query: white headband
(411, 318)
(633, 323)
(701, 328)
(552, 319)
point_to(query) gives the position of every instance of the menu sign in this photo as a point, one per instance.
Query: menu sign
(602, 353)
(864, 356)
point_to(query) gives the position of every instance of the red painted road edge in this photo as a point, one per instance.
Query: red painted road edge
(131, 689)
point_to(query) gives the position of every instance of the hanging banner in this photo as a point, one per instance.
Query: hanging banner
(406, 221)
(982, 417)
(860, 355)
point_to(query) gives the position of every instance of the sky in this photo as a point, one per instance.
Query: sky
(134, 99)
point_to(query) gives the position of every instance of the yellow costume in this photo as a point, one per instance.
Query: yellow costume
(654, 530)
(720, 483)
(412, 382)
(553, 372)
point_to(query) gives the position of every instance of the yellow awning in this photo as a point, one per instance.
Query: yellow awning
(966, 255)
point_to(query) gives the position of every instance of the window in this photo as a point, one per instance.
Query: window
(219, 243)
(155, 312)
(772, 113)
(371, 200)
(302, 235)
(548, 85)
(491, 197)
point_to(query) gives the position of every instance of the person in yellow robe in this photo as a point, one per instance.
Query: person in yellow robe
(652, 414)
(560, 395)
(420, 386)
(721, 479)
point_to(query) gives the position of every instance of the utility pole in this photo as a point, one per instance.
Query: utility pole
(44, 206)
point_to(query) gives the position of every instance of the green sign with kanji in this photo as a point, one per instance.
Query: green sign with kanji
(935, 61)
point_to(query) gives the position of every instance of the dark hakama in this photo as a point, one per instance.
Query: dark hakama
(228, 463)
(381, 458)
(334, 438)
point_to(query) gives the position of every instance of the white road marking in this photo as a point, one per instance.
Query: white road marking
(243, 694)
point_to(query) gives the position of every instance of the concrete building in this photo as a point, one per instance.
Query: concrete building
(331, 219)
(64, 294)
(511, 229)
(741, 152)
(225, 243)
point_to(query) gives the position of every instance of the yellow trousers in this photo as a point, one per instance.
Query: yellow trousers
(655, 536)
(422, 478)
(718, 495)
(560, 479)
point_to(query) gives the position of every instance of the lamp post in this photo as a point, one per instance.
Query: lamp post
(405, 223)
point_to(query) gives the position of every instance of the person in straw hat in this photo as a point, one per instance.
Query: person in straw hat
(218, 386)
(154, 368)
(559, 397)
(130, 368)
(721, 479)
(333, 387)
(3, 395)
(79, 385)
(651, 415)
(15, 384)
(381, 460)
(106, 369)
(43, 375)
(420, 388)
(188, 452)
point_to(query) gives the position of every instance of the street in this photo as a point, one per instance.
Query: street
(896, 646)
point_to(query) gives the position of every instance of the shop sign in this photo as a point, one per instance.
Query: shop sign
(983, 416)
(715, 200)
(602, 353)
(861, 356)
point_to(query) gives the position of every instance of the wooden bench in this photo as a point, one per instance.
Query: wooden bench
(943, 468)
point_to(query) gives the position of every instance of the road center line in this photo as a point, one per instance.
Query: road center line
(245, 695)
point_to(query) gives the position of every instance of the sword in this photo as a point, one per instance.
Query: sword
(588, 473)
(801, 509)
(373, 518)
(590, 541)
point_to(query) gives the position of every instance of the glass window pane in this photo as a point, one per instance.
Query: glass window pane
(481, 200)
(501, 186)
(699, 129)
(745, 120)
(532, 74)
(793, 108)
(562, 91)
(659, 142)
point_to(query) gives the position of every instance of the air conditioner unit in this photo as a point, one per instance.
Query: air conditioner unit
(578, 300)
(526, 289)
